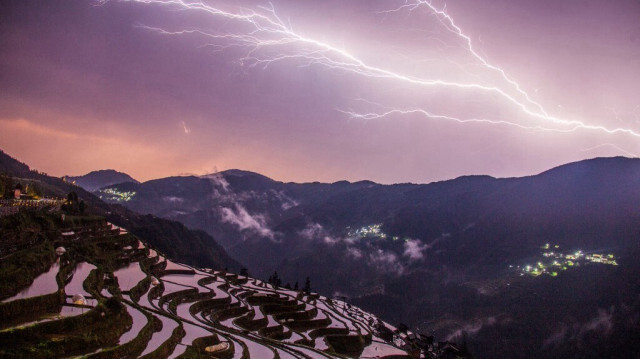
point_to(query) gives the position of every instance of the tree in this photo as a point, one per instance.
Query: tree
(7, 186)
(288, 285)
(34, 190)
(72, 197)
(72, 205)
(402, 328)
(82, 206)
(296, 287)
(244, 272)
(307, 286)
(274, 279)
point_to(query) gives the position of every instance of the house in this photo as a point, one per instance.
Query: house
(18, 191)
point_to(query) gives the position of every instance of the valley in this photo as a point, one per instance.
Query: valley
(454, 259)
(148, 306)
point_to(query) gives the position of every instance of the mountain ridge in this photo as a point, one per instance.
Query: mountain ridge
(458, 237)
(251, 174)
(99, 179)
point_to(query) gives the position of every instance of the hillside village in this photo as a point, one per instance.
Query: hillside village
(555, 261)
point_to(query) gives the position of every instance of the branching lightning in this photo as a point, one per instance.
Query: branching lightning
(450, 25)
(267, 39)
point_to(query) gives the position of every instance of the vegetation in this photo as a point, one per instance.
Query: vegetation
(133, 348)
(99, 327)
(170, 237)
(255, 306)
(30, 309)
(20, 269)
(176, 240)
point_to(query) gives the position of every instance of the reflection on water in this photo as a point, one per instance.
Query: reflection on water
(168, 325)
(139, 321)
(175, 266)
(45, 283)
(129, 276)
(74, 287)
(192, 332)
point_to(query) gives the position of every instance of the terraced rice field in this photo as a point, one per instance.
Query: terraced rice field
(164, 309)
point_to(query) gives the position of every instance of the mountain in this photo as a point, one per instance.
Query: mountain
(104, 293)
(171, 237)
(447, 257)
(592, 200)
(98, 179)
(68, 275)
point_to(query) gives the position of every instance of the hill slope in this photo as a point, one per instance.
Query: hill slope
(173, 238)
(143, 305)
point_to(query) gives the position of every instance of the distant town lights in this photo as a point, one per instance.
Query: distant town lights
(562, 261)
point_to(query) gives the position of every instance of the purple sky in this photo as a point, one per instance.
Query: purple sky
(89, 86)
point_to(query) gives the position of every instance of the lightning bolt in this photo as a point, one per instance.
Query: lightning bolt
(267, 39)
(447, 21)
